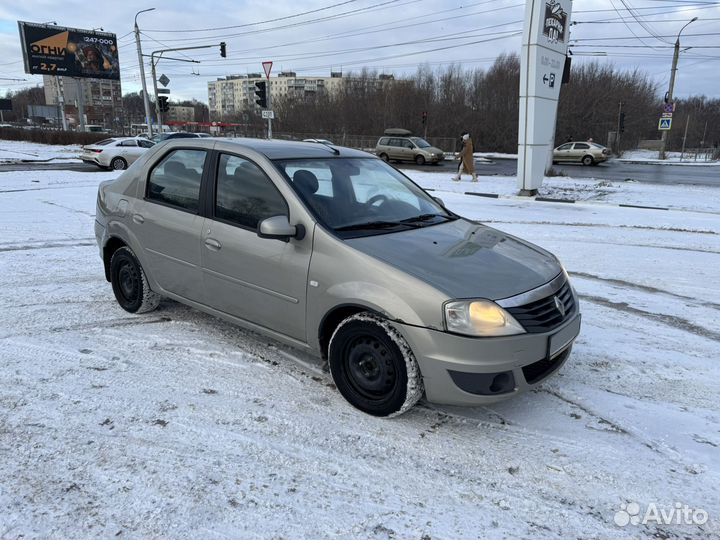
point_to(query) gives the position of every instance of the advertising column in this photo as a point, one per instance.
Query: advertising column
(544, 46)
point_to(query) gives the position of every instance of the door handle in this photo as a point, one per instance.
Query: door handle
(137, 218)
(213, 244)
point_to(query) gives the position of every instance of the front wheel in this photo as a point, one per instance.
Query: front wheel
(373, 367)
(129, 283)
(588, 160)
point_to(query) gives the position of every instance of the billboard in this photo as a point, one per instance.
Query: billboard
(69, 52)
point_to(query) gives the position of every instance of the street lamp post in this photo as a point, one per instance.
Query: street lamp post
(669, 96)
(146, 100)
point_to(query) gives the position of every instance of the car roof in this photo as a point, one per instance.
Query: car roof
(276, 149)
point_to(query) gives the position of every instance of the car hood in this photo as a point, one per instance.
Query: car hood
(464, 259)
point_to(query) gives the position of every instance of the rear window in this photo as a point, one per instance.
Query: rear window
(104, 142)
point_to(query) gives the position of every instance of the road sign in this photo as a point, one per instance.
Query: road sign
(669, 107)
(267, 66)
(666, 115)
(163, 90)
(163, 80)
(268, 114)
(664, 124)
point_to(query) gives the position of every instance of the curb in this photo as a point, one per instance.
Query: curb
(548, 199)
(551, 200)
(478, 194)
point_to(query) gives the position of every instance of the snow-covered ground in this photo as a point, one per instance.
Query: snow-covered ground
(177, 425)
(674, 158)
(15, 151)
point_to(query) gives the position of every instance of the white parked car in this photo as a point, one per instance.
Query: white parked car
(117, 153)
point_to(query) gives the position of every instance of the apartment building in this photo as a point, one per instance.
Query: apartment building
(235, 94)
(178, 113)
(102, 98)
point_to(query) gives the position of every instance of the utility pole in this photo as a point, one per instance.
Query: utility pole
(669, 95)
(687, 123)
(146, 99)
(617, 132)
(81, 102)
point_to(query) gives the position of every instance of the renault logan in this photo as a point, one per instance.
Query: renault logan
(333, 251)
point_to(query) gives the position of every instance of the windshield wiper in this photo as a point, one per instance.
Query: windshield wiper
(376, 225)
(426, 217)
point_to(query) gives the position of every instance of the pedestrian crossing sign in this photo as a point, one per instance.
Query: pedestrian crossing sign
(664, 124)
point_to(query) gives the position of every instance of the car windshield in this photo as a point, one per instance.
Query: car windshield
(361, 196)
(420, 143)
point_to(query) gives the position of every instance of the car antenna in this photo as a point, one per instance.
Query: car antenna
(334, 150)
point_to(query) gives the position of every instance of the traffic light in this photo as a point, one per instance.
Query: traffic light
(163, 104)
(424, 117)
(261, 93)
(223, 52)
(621, 123)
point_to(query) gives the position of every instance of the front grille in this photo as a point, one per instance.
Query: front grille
(542, 368)
(543, 315)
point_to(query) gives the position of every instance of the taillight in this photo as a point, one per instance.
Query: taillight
(96, 151)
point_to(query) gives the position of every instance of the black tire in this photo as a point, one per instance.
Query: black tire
(588, 160)
(129, 283)
(384, 157)
(118, 164)
(373, 367)
(420, 160)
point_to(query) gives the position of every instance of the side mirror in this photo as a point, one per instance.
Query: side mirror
(279, 227)
(439, 201)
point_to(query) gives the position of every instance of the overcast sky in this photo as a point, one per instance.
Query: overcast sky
(391, 36)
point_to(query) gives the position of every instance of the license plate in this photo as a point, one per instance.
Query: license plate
(563, 338)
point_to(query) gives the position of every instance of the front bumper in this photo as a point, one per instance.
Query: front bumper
(459, 370)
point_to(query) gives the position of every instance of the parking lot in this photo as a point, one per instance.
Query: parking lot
(177, 424)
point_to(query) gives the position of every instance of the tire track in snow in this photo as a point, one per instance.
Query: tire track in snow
(668, 320)
(644, 288)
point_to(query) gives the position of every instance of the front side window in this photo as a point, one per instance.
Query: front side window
(565, 147)
(421, 143)
(127, 143)
(176, 179)
(360, 197)
(146, 144)
(244, 194)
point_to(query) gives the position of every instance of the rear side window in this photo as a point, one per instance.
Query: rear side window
(176, 179)
(245, 195)
(581, 146)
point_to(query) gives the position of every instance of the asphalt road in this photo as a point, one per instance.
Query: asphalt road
(613, 171)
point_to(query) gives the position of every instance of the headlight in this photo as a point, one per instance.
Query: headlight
(480, 318)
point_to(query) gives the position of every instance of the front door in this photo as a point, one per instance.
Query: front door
(257, 279)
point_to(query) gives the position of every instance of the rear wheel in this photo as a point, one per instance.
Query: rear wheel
(384, 157)
(420, 160)
(588, 160)
(129, 283)
(373, 367)
(118, 164)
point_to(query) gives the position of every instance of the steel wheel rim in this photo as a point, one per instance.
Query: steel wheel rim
(128, 282)
(369, 368)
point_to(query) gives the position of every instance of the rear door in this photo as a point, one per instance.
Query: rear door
(168, 224)
(260, 280)
(129, 149)
(580, 150)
